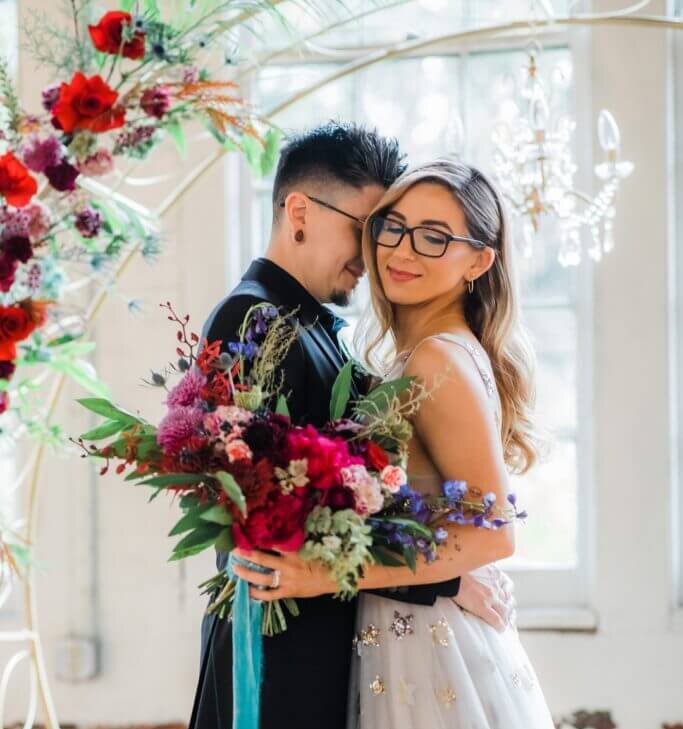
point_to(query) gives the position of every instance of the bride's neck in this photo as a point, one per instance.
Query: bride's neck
(416, 321)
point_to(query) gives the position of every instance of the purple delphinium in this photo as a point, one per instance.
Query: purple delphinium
(258, 326)
(187, 391)
(179, 424)
(243, 349)
(454, 491)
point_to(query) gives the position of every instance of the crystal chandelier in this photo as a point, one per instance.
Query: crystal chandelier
(533, 164)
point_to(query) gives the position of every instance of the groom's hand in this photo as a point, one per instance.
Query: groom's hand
(489, 597)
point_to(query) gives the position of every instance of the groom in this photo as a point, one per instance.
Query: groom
(327, 181)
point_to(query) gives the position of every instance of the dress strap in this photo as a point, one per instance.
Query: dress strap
(481, 364)
(476, 354)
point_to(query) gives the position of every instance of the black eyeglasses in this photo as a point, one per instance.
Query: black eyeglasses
(425, 241)
(359, 221)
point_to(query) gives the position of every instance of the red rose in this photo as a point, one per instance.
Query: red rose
(88, 103)
(376, 456)
(15, 325)
(17, 186)
(279, 524)
(106, 36)
(8, 350)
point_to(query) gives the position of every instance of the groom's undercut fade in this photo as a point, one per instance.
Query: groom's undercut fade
(333, 155)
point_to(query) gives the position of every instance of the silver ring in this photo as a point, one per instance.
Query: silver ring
(276, 580)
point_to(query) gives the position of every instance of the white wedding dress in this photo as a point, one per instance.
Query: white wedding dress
(440, 667)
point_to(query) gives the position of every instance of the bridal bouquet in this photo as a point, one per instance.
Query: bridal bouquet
(248, 477)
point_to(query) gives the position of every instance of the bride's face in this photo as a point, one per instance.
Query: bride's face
(410, 278)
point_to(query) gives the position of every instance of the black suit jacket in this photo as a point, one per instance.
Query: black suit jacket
(306, 668)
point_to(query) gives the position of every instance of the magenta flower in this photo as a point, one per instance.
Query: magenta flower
(39, 154)
(186, 392)
(178, 426)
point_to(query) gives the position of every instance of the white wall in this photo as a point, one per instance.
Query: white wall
(147, 613)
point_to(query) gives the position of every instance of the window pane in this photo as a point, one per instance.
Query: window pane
(553, 333)
(549, 494)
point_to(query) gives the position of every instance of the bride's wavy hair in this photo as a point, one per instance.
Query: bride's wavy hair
(491, 311)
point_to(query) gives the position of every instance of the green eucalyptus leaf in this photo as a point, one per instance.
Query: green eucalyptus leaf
(217, 514)
(104, 430)
(104, 407)
(341, 391)
(232, 489)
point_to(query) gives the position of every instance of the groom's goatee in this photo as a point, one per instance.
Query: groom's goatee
(340, 298)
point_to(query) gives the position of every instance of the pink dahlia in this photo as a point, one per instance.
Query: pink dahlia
(178, 426)
(186, 392)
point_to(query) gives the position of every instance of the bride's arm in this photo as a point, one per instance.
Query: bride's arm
(457, 428)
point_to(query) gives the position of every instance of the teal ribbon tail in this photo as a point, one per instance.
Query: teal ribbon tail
(247, 652)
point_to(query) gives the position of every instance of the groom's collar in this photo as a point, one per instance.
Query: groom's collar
(292, 294)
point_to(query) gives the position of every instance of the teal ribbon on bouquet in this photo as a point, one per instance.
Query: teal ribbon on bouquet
(247, 649)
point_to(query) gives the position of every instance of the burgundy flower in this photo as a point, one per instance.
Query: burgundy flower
(338, 498)
(8, 269)
(156, 101)
(279, 524)
(88, 222)
(50, 95)
(18, 248)
(7, 368)
(4, 401)
(62, 176)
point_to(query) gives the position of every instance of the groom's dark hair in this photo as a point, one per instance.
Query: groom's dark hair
(340, 153)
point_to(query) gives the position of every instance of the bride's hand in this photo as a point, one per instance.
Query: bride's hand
(291, 576)
(490, 598)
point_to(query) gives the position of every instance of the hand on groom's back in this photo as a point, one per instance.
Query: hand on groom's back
(489, 597)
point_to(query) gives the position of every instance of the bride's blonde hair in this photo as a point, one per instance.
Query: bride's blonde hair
(491, 311)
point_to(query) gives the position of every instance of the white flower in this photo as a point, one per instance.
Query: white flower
(366, 489)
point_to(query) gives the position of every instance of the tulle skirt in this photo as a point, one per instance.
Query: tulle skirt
(439, 667)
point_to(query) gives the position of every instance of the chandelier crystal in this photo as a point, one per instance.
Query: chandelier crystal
(533, 164)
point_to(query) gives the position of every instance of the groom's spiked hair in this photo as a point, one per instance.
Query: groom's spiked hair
(340, 153)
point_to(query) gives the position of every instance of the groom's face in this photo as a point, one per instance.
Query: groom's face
(333, 242)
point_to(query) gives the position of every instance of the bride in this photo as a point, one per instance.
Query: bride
(438, 254)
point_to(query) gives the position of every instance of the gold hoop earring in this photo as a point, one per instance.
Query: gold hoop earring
(470, 285)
